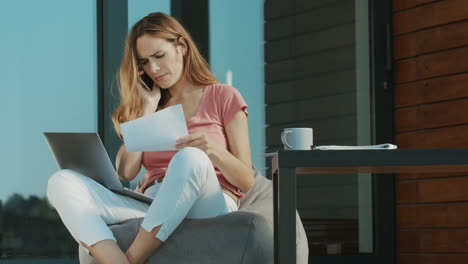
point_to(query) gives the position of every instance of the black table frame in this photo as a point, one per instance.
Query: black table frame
(286, 164)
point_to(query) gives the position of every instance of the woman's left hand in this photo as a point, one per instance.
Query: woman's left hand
(198, 140)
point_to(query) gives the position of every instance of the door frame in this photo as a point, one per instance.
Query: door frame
(383, 188)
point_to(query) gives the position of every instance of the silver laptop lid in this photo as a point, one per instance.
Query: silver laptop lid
(85, 154)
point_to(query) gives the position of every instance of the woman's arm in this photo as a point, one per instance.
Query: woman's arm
(128, 163)
(236, 165)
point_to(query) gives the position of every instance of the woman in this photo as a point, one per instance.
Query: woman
(205, 178)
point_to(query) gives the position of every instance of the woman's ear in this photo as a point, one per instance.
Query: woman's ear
(182, 43)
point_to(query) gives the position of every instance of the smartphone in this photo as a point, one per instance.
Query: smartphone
(147, 81)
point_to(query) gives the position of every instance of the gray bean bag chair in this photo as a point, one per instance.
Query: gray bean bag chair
(245, 236)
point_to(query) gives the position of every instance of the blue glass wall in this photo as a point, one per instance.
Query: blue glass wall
(48, 83)
(137, 9)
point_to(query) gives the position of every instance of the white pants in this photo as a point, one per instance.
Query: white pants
(190, 189)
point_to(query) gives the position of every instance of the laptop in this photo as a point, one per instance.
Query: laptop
(85, 154)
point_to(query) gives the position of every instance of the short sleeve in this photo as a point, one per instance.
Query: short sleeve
(231, 103)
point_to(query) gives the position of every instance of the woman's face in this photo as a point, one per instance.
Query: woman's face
(161, 60)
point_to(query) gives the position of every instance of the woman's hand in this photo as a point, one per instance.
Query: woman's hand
(150, 97)
(198, 140)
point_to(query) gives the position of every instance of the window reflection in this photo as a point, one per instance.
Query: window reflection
(31, 227)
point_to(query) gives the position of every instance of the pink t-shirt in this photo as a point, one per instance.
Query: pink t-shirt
(219, 104)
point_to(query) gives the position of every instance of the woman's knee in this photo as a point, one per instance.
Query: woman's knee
(192, 159)
(61, 182)
(192, 156)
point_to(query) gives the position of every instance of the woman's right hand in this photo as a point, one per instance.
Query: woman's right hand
(150, 98)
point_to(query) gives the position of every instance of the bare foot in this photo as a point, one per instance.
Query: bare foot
(107, 251)
(143, 246)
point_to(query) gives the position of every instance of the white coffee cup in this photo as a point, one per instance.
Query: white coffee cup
(297, 138)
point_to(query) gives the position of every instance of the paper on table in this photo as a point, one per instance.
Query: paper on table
(155, 132)
(371, 147)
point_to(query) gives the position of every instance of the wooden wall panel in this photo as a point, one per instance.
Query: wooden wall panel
(425, 16)
(432, 115)
(431, 81)
(433, 65)
(431, 40)
(310, 20)
(432, 241)
(432, 190)
(279, 28)
(309, 43)
(309, 88)
(326, 62)
(447, 137)
(430, 91)
(276, 9)
(301, 110)
(301, 5)
(279, 49)
(325, 39)
(431, 259)
(399, 5)
(452, 215)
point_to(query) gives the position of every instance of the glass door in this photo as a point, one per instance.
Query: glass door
(324, 64)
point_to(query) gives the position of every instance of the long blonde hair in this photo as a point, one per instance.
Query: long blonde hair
(161, 25)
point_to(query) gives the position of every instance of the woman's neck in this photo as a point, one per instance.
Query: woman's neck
(180, 89)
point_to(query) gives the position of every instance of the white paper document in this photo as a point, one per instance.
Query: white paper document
(370, 147)
(155, 132)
